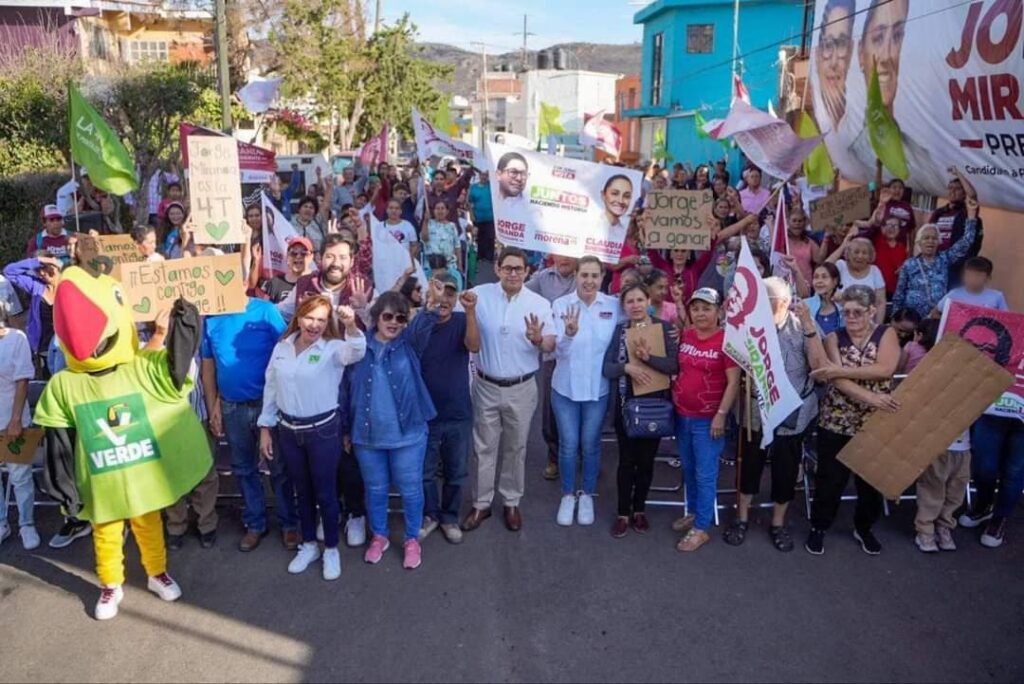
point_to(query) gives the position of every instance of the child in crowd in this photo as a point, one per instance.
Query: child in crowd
(977, 272)
(942, 487)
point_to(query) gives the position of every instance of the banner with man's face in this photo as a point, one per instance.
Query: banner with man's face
(568, 207)
(950, 73)
(998, 334)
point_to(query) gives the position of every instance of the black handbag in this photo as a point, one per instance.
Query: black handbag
(648, 418)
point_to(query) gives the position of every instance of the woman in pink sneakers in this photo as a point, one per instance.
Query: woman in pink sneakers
(388, 409)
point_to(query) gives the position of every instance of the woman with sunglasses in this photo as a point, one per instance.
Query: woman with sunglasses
(300, 399)
(388, 407)
(863, 357)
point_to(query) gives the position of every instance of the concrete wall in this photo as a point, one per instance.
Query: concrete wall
(573, 92)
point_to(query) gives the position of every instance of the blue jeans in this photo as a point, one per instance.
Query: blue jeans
(579, 425)
(243, 439)
(997, 453)
(24, 493)
(403, 465)
(448, 445)
(699, 453)
(311, 456)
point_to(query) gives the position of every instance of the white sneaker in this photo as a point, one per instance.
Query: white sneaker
(164, 587)
(429, 525)
(566, 510)
(585, 513)
(29, 537)
(5, 531)
(308, 552)
(926, 542)
(355, 531)
(332, 564)
(110, 598)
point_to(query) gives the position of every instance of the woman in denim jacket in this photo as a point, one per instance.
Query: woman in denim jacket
(388, 410)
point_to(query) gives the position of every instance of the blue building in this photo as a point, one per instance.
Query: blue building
(687, 67)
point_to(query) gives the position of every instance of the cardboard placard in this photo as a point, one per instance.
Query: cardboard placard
(105, 253)
(678, 219)
(23, 449)
(948, 390)
(841, 208)
(655, 338)
(215, 190)
(213, 283)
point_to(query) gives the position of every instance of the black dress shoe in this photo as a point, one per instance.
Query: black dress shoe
(513, 518)
(208, 539)
(475, 519)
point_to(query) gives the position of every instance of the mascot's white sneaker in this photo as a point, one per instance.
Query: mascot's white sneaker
(163, 586)
(110, 598)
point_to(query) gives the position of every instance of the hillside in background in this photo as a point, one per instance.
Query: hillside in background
(615, 59)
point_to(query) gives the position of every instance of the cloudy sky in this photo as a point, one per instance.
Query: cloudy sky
(500, 24)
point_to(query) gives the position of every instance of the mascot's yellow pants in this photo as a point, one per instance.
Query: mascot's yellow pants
(108, 540)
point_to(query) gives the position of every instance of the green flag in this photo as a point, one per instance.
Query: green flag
(817, 166)
(443, 118)
(95, 146)
(883, 131)
(659, 151)
(549, 123)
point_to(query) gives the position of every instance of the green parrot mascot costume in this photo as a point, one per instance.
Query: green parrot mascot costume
(122, 441)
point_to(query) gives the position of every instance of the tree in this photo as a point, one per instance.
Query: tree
(145, 104)
(33, 106)
(399, 81)
(355, 84)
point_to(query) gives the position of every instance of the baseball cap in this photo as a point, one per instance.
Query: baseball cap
(705, 294)
(51, 211)
(299, 240)
(446, 279)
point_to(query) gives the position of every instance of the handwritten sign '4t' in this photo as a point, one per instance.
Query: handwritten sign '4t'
(215, 188)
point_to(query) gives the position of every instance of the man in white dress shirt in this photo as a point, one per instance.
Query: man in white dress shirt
(515, 327)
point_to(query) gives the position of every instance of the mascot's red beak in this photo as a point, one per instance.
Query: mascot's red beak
(77, 320)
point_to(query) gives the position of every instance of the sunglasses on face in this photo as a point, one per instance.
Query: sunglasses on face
(298, 253)
(388, 316)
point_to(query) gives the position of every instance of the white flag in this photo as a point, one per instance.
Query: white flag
(258, 96)
(603, 135)
(277, 230)
(753, 343)
(431, 143)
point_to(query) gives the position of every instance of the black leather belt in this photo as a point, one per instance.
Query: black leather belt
(507, 382)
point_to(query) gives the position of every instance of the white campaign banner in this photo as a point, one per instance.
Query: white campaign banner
(753, 343)
(431, 143)
(950, 73)
(564, 206)
(276, 232)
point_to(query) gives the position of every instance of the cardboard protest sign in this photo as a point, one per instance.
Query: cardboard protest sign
(215, 190)
(560, 205)
(213, 283)
(23, 449)
(655, 338)
(998, 334)
(105, 253)
(753, 343)
(256, 164)
(940, 399)
(841, 208)
(678, 219)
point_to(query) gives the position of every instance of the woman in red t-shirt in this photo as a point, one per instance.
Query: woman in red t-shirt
(703, 393)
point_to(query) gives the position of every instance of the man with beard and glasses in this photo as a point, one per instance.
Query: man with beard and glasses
(335, 280)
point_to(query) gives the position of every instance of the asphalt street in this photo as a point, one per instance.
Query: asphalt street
(546, 604)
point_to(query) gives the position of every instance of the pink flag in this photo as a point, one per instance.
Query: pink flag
(768, 142)
(780, 239)
(600, 134)
(739, 91)
(375, 150)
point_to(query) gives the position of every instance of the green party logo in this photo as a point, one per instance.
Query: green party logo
(116, 433)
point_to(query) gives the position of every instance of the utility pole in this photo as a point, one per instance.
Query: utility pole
(487, 102)
(376, 16)
(221, 43)
(526, 62)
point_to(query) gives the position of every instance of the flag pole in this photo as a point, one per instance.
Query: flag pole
(71, 151)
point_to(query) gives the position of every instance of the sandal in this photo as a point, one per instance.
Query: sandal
(781, 539)
(736, 533)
